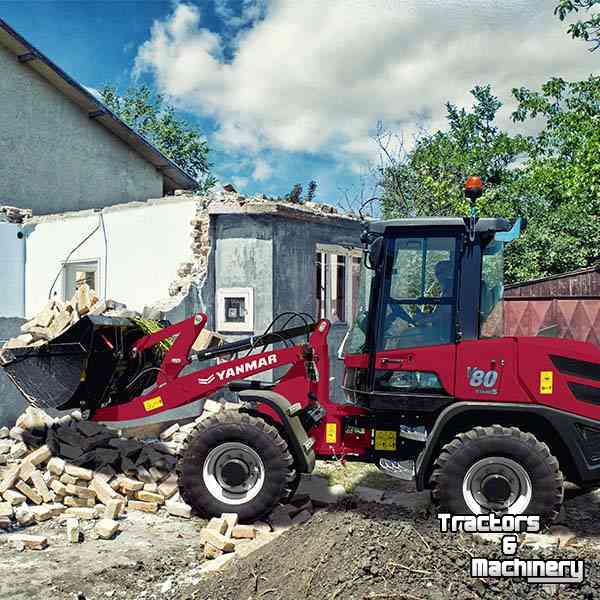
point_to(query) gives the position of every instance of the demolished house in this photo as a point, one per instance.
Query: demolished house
(240, 260)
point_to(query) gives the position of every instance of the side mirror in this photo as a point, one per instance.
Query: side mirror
(374, 254)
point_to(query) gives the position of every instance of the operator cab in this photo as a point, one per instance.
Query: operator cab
(426, 284)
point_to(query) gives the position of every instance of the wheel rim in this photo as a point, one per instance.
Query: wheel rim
(497, 484)
(233, 473)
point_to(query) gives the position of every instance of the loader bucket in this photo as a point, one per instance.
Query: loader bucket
(75, 369)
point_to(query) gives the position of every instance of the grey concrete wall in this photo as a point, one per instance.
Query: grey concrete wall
(12, 403)
(295, 248)
(275, 255)
(243, 257)
(54, 157)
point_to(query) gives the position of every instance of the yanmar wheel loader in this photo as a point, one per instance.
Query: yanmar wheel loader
(432, 390)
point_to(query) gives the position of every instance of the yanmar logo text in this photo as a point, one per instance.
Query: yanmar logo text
(243, 369)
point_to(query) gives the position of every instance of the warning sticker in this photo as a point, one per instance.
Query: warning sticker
(546, 382)
(385, 440)
(153, 403)
(331, 433)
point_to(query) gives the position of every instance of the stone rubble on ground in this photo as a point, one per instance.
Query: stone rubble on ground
(225, 536)
(70, 471)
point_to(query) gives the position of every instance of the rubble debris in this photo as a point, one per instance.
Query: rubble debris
(73, 531)
(120, 474)
(13, 214)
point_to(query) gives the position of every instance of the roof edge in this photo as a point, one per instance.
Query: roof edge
(168, 168)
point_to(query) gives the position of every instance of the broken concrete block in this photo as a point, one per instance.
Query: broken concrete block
(39, 456)
(41, 513)
(56, 508)
(151, 487)
(26, 470)
(103, 491)
(61, 321)
(68, 451)
(131, 485)
(113, 509)
(167, 433)
(40, 485)
(80, 491)
(59, 488)
(56, 466)
(69, 435)
(33, 542)
(16, 433)
(89, 428)
(5, 523)
(67, 479)
(24, 516)
(231, 520)
(149, 497)
(5, 446)
(32, 494)
(149, 507)
(18, 450)
(218, 540)
(6, 509)
(79, 472)
(106, 528)
(169, 486)
(79, 502)
(179, 509)
(84, 513)
(73, 531)
(15, 498)
(4, 431)
(217, 524)
(243, 532)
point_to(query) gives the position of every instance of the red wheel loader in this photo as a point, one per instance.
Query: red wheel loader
(432, 391)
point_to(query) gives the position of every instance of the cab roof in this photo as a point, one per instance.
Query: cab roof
(482, 226)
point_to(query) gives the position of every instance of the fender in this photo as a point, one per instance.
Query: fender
(581, 451)
(300, 444)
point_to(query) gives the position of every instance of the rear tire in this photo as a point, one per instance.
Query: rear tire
(497, 469)
(234, 462)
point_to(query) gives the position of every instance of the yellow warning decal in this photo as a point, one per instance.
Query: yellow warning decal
(385, 440)
(153, 403)
(331, 433)
(546, 382)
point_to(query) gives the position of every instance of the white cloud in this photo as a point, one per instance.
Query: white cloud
(316, 76)
(262, 170)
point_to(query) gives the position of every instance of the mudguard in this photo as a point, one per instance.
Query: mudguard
(301, 445)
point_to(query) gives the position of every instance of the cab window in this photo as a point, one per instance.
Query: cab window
(419, 292)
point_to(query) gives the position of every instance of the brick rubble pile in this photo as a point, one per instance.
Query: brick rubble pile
(57, 316)
(72, 470)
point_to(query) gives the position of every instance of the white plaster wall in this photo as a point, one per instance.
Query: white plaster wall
(12, 271)
(146, 244)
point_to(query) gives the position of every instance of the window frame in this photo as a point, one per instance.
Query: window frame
(350, 253)
(386, 281)
(72, 266)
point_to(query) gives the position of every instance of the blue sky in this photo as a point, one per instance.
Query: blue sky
(287, 91)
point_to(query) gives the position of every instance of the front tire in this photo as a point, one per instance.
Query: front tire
(497, 469)
(234, 462)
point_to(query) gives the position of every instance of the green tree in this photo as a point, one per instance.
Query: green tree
(588, 29)
(150, 116)
(429, 179)
(561, 178)
(295, 196)
(311, 191)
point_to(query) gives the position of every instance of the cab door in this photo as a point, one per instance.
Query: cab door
(415, 345)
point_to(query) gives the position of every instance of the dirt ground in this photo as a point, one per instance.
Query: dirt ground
(354, 550)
